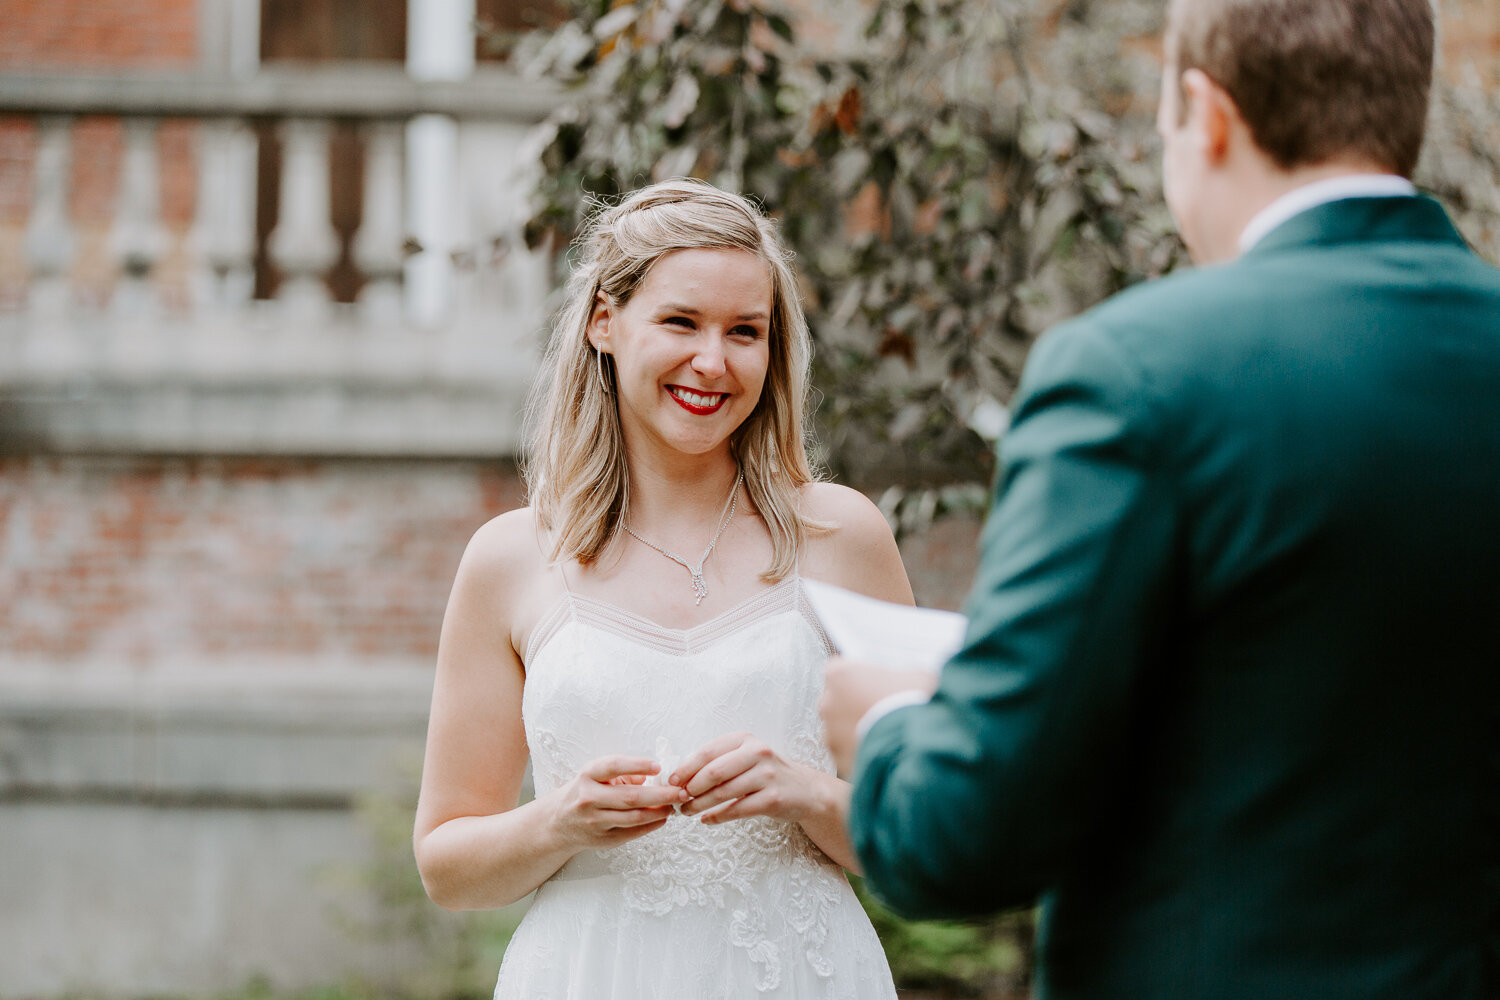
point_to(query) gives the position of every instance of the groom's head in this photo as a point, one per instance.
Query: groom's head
(1292, 87)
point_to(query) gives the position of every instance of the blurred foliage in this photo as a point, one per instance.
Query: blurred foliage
(954, 175)
(972, 958)
(1461, 160)
(457, 954)
(949, 194)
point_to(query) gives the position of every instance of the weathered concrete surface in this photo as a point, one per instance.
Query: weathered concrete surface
(181, 833)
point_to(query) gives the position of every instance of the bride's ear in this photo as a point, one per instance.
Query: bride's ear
(599, 320)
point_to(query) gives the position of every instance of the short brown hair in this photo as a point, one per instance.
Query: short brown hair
(1316, 79)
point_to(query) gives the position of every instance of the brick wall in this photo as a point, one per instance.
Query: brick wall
(144, 562)
(98, 34)
(139, 563)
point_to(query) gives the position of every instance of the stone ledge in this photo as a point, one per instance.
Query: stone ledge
(267, 738)
(434, 420)
(344, 90)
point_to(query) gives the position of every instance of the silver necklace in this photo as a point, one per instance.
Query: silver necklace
(700, 587)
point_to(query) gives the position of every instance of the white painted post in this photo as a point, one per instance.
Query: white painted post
(229, 37)
(137, 239)
(49, 232)
(223, 237)
(304, 244)
(244, 38)
(377, 247)
(439, 46)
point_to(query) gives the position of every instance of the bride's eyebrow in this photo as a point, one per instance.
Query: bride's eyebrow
(691, 311)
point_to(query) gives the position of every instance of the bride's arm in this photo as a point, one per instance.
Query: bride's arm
(475, 848)
(859, 553)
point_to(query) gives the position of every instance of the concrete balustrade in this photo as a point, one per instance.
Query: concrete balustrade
(432, 360)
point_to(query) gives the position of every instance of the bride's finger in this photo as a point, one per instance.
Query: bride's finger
(606, 769)
(729, 766)
(694, 762)
(629, 779)
(758, 803)
(745, 783)
(625, 819)
(617, 798)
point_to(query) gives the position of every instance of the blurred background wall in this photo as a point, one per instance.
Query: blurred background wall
(262, 351)
(266, 321)
(255, 393)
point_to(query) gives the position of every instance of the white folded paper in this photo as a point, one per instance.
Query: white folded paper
(895, 636)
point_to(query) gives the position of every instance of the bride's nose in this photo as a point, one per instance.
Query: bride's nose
(708, 358)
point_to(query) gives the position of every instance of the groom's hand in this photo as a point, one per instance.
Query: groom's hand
(850, 689)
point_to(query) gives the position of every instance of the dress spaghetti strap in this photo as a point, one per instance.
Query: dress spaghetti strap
(562, 568)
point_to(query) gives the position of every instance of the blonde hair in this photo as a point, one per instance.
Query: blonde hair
(574, 462)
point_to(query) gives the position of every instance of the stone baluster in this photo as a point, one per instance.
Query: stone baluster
(439, 46)
(224, 227)
(304, 244)
(138, 239)
(49, 232)
(378, 247)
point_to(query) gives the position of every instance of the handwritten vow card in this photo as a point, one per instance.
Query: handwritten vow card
(894, 636)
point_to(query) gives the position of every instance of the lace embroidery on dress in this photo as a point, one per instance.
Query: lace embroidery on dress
(600, 678)
(689, 864)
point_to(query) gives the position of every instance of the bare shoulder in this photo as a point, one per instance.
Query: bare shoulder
(858, 551)
(845, 509)
(505, 547)
(501, 570)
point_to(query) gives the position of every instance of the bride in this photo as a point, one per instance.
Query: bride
(641, 632)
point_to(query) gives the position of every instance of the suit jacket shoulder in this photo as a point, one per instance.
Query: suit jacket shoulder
(1323, 285)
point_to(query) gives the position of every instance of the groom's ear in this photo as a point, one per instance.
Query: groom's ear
(1212, 116)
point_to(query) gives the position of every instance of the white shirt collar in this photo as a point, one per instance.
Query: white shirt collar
(1299, 200)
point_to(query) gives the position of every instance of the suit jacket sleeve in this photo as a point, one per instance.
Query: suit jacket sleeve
(978, 799)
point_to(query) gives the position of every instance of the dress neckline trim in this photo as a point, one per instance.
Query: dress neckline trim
(775, 599)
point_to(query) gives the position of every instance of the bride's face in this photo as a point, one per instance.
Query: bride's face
(690, 348)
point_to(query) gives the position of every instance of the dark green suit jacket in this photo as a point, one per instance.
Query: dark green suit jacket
(1230, 699)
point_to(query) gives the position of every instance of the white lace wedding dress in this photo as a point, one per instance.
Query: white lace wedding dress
(750, 908)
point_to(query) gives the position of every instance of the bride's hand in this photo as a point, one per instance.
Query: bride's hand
(738, 775)
(609, 803)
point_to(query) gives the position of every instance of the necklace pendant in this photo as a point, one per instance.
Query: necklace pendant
(700, 587)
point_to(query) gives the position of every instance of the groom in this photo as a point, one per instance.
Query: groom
(1229, 704)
